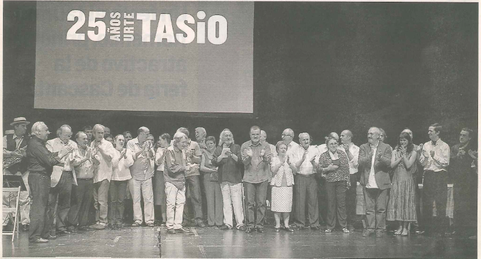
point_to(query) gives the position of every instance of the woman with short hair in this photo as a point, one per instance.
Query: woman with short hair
(334, 164)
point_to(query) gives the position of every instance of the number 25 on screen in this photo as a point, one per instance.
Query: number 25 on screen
(72, 33)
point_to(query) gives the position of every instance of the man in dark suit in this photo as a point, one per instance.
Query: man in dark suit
(374, 164)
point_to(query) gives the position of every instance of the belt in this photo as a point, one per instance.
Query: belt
(306, 175)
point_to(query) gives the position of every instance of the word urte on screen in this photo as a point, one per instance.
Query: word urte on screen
(121, 27)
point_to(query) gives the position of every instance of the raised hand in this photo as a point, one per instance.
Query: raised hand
(248, 152)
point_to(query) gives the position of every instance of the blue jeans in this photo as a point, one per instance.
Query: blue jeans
(256, 203)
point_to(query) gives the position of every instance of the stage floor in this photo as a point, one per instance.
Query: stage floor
(211, 242)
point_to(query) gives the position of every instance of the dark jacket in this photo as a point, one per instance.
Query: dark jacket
(382, 164)
(39, 158)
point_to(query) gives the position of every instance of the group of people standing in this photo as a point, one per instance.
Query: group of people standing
(230, 186)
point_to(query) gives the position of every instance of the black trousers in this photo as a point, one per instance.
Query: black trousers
(79, 212)
(39, 183)
(351, 199)
(59, 203)
(336, 204)
(435, 189)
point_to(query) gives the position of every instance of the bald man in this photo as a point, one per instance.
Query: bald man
(375, 161)
(61, 182)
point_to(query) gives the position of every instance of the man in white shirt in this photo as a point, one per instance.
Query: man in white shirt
(434, 158)
(62, 179)
(142, 172)
(304, 158)
(375, 161)
(352, 152)
(102, 153)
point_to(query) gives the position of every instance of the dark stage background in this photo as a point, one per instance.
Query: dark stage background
(318, 67)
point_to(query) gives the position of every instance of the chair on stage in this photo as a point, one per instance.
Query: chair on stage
(10, 209)
(12, 185)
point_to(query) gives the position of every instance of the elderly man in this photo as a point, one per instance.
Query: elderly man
(82, 164)
(306, 191)
(40, 165)
(61, 182)
(288, 136)
(192, 177)
(352, 152)
(174, 175)
(256, 157)
(434, 158)
(463, 158)
(142, 171)
(102, 153)
(375, 162)
(15, 163)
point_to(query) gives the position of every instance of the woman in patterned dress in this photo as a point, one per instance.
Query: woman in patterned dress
(282, 182)
(402, 203)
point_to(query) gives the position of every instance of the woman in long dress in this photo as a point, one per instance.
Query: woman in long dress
(402, 203)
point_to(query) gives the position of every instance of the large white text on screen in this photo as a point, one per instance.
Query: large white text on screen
(121, 27)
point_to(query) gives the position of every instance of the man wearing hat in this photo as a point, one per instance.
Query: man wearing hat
(15, 163)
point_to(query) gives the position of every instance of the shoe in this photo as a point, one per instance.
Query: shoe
(150, 225)
(171, 231)
(345, 230)
(420, 232)
(367, 232)
(398, 232)
(248, 230)
(241, 228)
(182, 230)
(39, 240)
(277, 229)
(25, 228)
(405, 232)
(200, 224)
(136, 224)
(328, 230)
(288, 229)
(98, 226)
(351, 228)
(51, 237)
(260, 230)
(64, 232)
(379, 233)
(225, 227)
(316, 228)
(71, 229)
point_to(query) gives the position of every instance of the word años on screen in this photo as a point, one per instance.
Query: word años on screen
(120, 27)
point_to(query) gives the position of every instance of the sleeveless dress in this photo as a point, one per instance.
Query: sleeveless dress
(402, 203)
